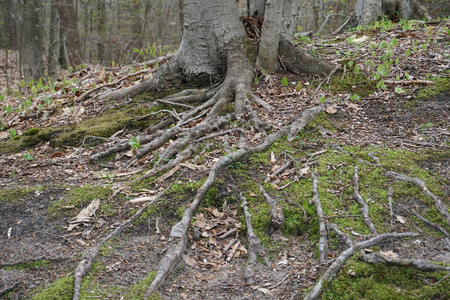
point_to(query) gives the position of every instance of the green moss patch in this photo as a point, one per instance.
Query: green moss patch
(358, 84)
(138, 290)
(441, 85)
(79, 198)
(61, 289)
(382, 282)
(17, 194)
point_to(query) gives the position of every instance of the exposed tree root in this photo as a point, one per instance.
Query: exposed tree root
(8, 289)
(392, 260)
(363, 161)
(342, 236)
(280, 170)
(39, 258)
(276, 215)
(435, 226)
(255, 248)
(90, 254)
(178, 235)
(298, 61)
(323, 242)
(421, 185)
(339, 262)
(364, 207)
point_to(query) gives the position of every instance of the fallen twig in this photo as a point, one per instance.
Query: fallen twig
(254, 246)
(39, 258)
(279, 170)
(391, 212)
(420, 264)
(435, 226)
(364, 207)
(342, 236)
(421, 185)
(276, 215)
(323, 242)
(8, 289)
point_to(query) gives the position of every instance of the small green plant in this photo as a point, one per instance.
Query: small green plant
(27, 155)
(355, 97)
(399, 90)
(134, 143)
(284, 81)
(12, 134)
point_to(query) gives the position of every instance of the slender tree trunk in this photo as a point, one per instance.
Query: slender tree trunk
(32, 49)
(368, 11)
(53, 46)
(290, 18)
(270, 35)
(68, 21)
(101, 30)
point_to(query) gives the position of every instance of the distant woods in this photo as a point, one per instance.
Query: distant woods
(55, 34)
(50, 34)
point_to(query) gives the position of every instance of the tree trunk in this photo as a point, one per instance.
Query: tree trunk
(31, 41)
(290, 18)
(210, 28)
(270, 35)
(53, 44)
(101, 31)
(368, 11)
(68, 20)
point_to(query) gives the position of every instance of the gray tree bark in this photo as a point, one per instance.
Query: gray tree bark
(290, 18)
(210, 28)
(32, 48)
(270, 35)
(68, 21)
(368, 11)
(53, 44)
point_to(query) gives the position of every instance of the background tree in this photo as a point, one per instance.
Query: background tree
(368, 11)
(68, 21)
(53, 44)
(31, 47)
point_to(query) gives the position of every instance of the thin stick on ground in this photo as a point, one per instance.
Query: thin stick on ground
(254, 246)
(8, 289)
(280, 170)
(421, 185)
(340, 261)
(391, 212)
(434, 225)
(39, 258)
(419, 264)
(323, 242)
(364, 207)
(276, 215)
(90, 254)
(342, 236)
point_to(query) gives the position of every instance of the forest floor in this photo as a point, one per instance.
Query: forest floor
(46, 179)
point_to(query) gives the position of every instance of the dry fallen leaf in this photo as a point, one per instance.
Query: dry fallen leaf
(331, 110)
(360, 40)
(265, 291)
(389, 254)
(351, 273)
(401, 220)
(85, 215)
(189, 261)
